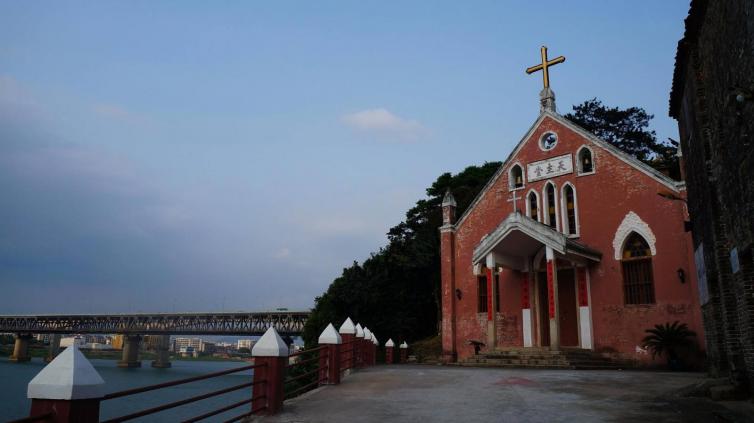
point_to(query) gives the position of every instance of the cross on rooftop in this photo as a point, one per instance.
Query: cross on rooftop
(545, 65)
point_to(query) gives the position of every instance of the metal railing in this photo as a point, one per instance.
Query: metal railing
(347, 356)
(306, 373)
(189, 400)
(277, 376)
(38, 418)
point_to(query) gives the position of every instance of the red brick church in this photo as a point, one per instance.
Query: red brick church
(568, 245)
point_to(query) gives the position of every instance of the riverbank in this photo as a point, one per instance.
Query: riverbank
(39, 351)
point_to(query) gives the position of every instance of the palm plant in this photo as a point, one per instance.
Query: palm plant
(667, 339)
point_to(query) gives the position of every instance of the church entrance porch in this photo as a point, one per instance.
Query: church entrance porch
(550, 314)
(568, 318)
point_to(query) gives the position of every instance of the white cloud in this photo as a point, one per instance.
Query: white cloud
(283, 253)
(383, 121)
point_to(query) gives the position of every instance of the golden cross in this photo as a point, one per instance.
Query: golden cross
(544, 65)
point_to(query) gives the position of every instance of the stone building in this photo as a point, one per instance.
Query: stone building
(568, 246)
(713, 100)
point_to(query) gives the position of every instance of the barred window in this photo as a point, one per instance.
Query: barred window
(533, 206)
(516, 177)
(481, 282)
(570, 210)
(585, 162)
(551, 218)
(638, 282)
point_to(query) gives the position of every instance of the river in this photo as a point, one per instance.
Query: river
(15, 377)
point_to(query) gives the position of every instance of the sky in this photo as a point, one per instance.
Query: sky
(225, 156)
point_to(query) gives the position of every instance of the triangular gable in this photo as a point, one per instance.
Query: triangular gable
(675, 186)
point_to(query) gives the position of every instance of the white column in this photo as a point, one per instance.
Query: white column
(585, 308)
(526, 309)
(491, 332)
(552, 299)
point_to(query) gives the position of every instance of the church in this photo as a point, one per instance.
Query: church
(572, 244)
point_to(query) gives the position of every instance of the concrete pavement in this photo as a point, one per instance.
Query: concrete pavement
(428, 394)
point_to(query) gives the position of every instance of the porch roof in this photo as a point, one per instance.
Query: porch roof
(519, 236)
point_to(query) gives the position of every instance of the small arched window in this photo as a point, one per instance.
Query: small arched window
(532, 203)
(569, 214)
(551, 217)
(585, 160)
(638, 281)
(516, 177)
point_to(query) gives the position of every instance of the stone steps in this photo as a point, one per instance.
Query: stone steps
(543, 358)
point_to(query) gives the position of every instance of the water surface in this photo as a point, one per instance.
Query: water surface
(15, 377)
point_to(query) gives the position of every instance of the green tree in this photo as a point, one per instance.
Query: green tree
(627, 129)
(396, 291)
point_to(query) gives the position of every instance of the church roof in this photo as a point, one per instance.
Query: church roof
(673, 185)
(536, 233)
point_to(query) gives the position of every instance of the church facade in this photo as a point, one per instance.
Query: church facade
(568, 245)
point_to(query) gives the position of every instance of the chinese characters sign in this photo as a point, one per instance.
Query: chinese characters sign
(548, 168)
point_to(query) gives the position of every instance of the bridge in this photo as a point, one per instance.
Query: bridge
(134, 326)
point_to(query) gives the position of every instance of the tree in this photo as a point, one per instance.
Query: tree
(396, 291)
(627, 129)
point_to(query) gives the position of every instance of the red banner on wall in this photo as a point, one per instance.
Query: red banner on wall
(583, 293)
(550, 293)
(525, 299)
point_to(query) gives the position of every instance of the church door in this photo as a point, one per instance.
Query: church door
(543, 322)
(569, 336)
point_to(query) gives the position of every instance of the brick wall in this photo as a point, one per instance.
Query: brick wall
(715, 62)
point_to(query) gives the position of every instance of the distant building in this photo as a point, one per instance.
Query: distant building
(70, 340)
(245, 343)
(207, 347)
(43, 337)
(188, 352)
(117, 342)
(194, 343)
(152, 342)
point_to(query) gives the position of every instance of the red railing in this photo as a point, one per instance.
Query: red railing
(38, 418)
(347, 356)
(276, 377)
(306, 374)
(189, 400)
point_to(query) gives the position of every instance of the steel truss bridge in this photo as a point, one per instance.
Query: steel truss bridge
(290, 323)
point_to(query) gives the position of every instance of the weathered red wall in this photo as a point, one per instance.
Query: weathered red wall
(604, 198)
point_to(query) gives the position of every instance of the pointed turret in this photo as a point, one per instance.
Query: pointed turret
(448, 208)
(547, 100)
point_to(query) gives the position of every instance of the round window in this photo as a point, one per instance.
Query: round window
(548, 141)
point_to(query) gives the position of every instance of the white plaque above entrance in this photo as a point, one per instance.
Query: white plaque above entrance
(548, 168)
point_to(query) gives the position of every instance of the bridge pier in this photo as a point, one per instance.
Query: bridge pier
(21, 348)
(163, 353)
(54, 348)
(130, 351)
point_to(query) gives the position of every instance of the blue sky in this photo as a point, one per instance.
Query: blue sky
(237, 155)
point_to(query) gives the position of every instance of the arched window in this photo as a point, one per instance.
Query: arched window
(585, 160)
(532, 205)
(516, 177)
(638, 282)
(569, 213)
(550, 213)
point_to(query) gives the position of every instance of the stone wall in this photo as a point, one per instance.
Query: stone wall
(714, 65)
